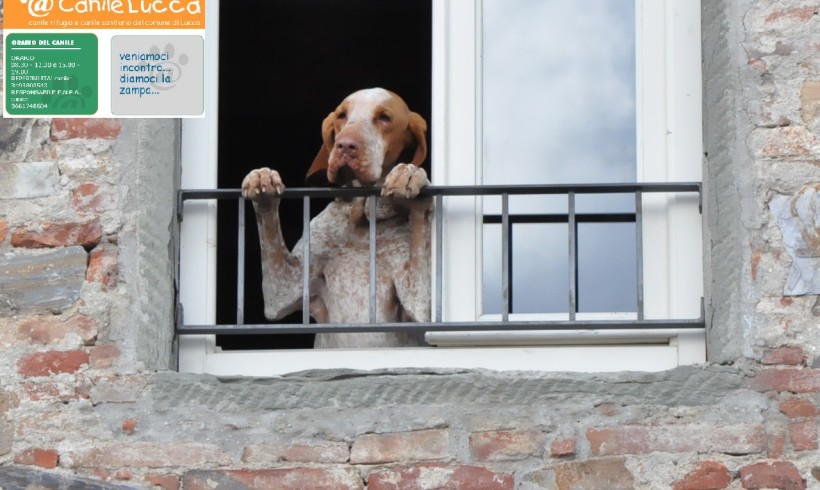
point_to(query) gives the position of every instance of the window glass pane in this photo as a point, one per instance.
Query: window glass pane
(540, 284)
(558, 107)
(558, 91)
(606, 267)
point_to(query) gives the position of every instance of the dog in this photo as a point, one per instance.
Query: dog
(363, 141)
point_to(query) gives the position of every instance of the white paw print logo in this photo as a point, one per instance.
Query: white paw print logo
(170, 68)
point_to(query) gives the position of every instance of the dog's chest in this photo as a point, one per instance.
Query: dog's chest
(345, 287)
(350, 256)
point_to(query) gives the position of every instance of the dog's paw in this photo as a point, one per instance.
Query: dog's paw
(262, 183)
(405, 180)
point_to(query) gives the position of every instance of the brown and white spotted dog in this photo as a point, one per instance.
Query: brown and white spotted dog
(363, 140)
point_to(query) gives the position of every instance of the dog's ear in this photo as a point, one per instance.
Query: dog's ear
(417, 127)
(317, 174)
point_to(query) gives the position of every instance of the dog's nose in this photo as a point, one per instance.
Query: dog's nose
(346, 144)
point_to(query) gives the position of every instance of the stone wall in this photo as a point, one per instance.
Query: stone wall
(88, 398)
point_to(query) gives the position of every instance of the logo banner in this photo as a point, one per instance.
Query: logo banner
(104, 58)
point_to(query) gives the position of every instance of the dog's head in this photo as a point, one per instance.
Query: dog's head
(366, 136)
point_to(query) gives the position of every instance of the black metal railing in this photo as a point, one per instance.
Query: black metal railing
(505, 219)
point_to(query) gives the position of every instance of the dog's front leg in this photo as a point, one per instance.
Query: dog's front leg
(413, 285)
(281, 270)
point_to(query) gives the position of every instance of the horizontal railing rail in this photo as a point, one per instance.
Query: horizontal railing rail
(505, 219)
(453, 190)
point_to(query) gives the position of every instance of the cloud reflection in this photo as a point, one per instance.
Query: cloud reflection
(559, 107)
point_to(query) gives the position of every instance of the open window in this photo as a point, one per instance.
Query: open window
(316, 53)
(515, 92)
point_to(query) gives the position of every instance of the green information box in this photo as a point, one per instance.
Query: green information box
(51, 74)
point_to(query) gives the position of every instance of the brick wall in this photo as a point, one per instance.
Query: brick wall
(87, 397)
(700, 427)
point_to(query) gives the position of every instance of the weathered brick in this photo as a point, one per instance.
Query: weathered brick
(784, 142)
(87, 198)
(432, 475)
(48, 282)
(803, 435)
(101, 474)
(402, 446)
(775, 440)
(26, 180)
(810, 102)
(772, 474)
(149, 455)
(640, 439)
(103, 266)
(506, 445)
(796, 380)
(609, 474)
(78, 128)
(122, 475)
(797, 408)
(280, 479)
(59, 425)
(55, 234)
(801, 14)
(52, 362)
(562, 446)
(325, 452)
(50, 329)
(49, 391)
(44, 458)
(708, 475)
(166, 482)
(103, 356)
(792, 356)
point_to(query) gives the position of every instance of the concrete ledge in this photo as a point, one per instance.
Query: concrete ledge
(352, 389)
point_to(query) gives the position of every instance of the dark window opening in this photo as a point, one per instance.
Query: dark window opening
(277, 82)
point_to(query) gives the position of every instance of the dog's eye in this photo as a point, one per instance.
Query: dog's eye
(384, 117)
(341, 115)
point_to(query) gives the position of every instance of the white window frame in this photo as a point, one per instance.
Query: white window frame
(669, 135)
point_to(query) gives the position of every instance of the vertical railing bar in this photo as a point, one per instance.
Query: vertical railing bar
(639, 251)
(510, 269)
(306, 260)
(505, 256)
(373, 292)
(439, 212)
(240, 264)
(577, 275)
(572, 231)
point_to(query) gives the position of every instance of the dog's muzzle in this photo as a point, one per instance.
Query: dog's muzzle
(344, 176)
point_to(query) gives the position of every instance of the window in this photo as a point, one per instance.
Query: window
(656, 133)
(557, 102)
(304, 41)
